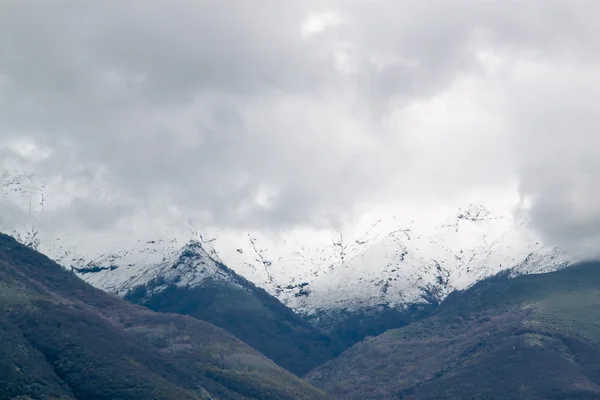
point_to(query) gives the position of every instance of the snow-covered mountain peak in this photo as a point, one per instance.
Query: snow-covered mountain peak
(190, 266)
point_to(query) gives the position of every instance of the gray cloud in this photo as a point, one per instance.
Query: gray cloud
(560, 137)
(236, 114)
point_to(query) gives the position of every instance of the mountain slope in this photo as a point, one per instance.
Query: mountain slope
(65, 339)
(535, 337)
(192, 283)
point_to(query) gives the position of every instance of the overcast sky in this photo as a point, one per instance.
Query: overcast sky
(273, 115)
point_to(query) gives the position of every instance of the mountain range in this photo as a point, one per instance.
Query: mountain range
(390, 275)
(533, 336)
(474, 305)
(387, 261)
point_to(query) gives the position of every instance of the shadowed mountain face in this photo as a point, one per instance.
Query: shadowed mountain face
(62, 339)
(351, 326)
(533, 337)
(249, 313)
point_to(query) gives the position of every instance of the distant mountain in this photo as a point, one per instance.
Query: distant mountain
(530, 337)
(61, 338)
(420, 262)
(405, 272)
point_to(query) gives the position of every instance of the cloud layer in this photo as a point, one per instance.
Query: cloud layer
(271, 115)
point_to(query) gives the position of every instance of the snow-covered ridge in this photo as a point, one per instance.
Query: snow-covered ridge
(423, 263)
(390, 262)
(190, 266)
(384, 261)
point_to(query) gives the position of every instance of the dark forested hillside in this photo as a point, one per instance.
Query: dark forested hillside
(532, 337)
(62, 339)
(351, 326)
(247, 312)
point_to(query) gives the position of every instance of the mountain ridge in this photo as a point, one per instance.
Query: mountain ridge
(399, 268)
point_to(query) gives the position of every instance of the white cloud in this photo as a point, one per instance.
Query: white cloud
(281, 116)
(318, 23)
